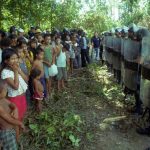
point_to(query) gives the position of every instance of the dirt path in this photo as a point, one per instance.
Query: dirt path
(98, 100)
(102, 105)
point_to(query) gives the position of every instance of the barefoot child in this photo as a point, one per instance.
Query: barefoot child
(38, 64)
(38, 91)
(61, 62)
(8, 120)
(48, 61)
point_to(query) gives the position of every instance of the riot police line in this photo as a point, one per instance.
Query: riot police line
(127, 56)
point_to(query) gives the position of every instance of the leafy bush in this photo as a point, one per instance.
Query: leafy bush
(55, 130)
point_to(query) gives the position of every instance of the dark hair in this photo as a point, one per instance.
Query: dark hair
(35, 73)
(46, 35)
(21, 41)
(5, 42)
(12, 29)
(18, 48)
(32, 41)
(2, 33)
(6, 54)
(12, 36)
(38, 50)
(66, 46)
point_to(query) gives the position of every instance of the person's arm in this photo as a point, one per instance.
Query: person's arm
(7, 117)
(25, 77)
(47, 63)
(30, 57)
(54, 55)
(67, 60)
(14, 110)
(14, 83)
(34, 65)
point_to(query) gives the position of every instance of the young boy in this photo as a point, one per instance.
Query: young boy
(8, 120)
(38, 64)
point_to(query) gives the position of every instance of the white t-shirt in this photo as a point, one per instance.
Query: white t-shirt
(6, 73)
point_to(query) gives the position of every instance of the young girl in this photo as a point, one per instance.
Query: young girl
(22, 63)
(15, 79)
(48, 61)
(32, 46)
(71, 54)
(28, 55)
(61, 63)
(38, 89)
(76, 48)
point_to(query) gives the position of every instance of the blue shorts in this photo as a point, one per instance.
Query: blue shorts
(43, 82)
(46, 72)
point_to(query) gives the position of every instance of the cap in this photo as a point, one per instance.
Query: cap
(20, 30)
(38, 31)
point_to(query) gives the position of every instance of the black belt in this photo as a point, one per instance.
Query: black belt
(146, 72)
(117, 53)
(110, 50)
(131, 65)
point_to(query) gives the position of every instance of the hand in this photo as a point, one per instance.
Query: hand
(48, 64)
(15, 67)
(28, 55)
(22, 127)
(14, 114)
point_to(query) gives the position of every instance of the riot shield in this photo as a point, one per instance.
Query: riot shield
(145, 51)
(105, 45)
(145, 80)
(122, 60)
(131, 50)
(110, 48)
(131, 54)
(117, 44)
(117, 53)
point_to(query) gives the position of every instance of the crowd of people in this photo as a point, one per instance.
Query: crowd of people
(29, 64)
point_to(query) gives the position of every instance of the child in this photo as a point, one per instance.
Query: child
(28, 55)
(8, 120)
(37, 88)
(15, 79)
(48, 60)
(71, 53)
(76, 48)
(22, 63)
(38, 64)
(61, 63)
(32, 46)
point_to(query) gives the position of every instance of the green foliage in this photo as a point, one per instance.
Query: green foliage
(52, 14)
(55, 130)
(131, 13)
(45, 13)
(134, 12)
